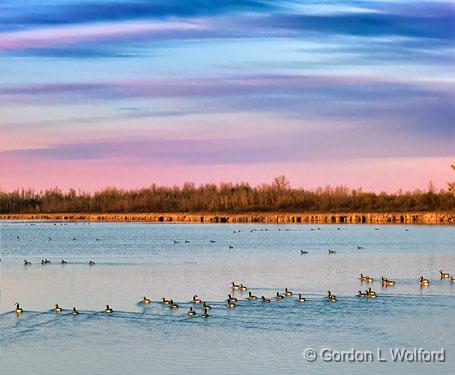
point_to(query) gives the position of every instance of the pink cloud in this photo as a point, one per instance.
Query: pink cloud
(62, 35)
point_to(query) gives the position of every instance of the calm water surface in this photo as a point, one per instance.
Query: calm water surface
(133, 260)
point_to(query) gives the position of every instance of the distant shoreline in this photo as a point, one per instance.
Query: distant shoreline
(432, 218)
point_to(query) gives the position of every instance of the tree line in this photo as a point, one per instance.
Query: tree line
(225, 197)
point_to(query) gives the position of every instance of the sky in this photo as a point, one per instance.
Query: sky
(97, 93)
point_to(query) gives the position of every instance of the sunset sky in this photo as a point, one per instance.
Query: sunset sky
(97, 93)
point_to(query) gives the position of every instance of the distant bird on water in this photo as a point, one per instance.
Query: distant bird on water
(27, 263)
(91, 263)
(332, 251)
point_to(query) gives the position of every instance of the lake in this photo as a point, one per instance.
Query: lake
(179, 260)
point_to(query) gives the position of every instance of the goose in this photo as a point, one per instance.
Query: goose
(27, 263)
(165, 301)
(369, 279)
(287, 292)
(332, 252)
(91, 263)
(196, 299)
(361, 294)
(233, 299)
(74, 312)
(205, 306)
(423, 282)
(212, 241)
(234, 286)
(278, 296)
(57, 308)
(19, 309)
(145, 300)
(301, 298)
(230, 304)
(331, 297)
(252, 297)
(264, 300)
(191, 312)
(108, 310)
(443, 275)
(359, 247)
(186, 241)
(205, 315)
(173, 305)
(63, 261)
(175, 241)
(231, 247)
(386, 282)
(452, 279)
(243, 287)
(302, 252)
(370, 294)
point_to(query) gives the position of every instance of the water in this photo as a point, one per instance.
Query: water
(133, 260)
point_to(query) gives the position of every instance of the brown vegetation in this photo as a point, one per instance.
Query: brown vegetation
(227, 198)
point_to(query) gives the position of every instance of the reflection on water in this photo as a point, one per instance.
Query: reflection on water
(133, 260)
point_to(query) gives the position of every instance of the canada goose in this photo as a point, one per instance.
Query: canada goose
(370, 294)
(359, 247)
(63, 261)
(74, 239)
(386, 282)
(234, 286)
(369, 279)
(278, 296)
(230, 304)
(205, 306)
(42, 261)
(108, 310)
(91, 263)
(361, 294)
(301, 298)
(165, 301)
(145, 300)
(196, 299)
(19, 309)
(27, 263)
(443, 275)
(252, 297)
(212, 241)
(74, 312)
(57, 308)
(423, 282)
(233, 299)
(331, 297)
(231, 247)
(186, 241)
(173, 305)
(332, 252)
(452, 279)
(265, 300)
(242, 287)
(191, 312)
(302, 252)
(287, 292)
(175, 241)
(205, 315)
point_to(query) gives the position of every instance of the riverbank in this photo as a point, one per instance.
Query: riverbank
(262, 218)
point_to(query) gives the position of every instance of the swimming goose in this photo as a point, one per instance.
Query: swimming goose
(301, 298)
(252, 297)
(233, 299)
(74, 312)
(212, 241)
(173, 305)
(386, 282)
(230, 304)
(205, 315)
(27, 263)
(205, 306)
(242, 287)
(234, 286)
(452, 279)
(108, 310)
(175, 241)
(361, 294)
(443, 275)
(302, 252)
(265, 300)
(191, 312)
(287, 292)
(278, 296)
(63, 261)
(423, 282)
(91, 263)
(186, 241)
(196, 299)
(332, 252)
(145, 300)
(19, 309)
(331, 297)
(359, 247)
(165, 301)
(57, 308)
(370, 294)
(231, 247)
